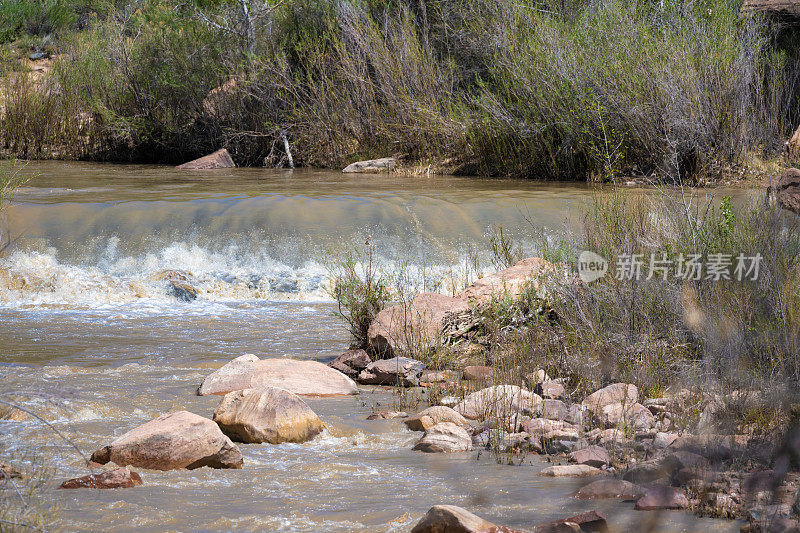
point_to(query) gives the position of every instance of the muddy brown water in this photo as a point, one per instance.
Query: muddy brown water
(93, 341)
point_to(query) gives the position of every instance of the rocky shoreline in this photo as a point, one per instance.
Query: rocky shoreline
(624, 445)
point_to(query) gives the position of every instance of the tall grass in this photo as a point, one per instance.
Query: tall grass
(575, 90)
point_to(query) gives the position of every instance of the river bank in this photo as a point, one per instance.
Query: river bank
(637, 89)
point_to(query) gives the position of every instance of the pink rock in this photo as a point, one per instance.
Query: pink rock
(119, 478)
(219, 159)
(662, 497)
(176, 440)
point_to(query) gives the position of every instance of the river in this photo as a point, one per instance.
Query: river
(92, 339)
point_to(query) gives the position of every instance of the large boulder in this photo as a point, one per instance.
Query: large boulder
(119, 478)
(509, 282)
(444, 437)
(431, 416)
(351, 362)
(219, 159)
(500, 401)
(269, 415)
(176, 440)
(452, 519)
(400, 371)
(633, 415)
(413, 326)
(787, 190)
(372, 166)
(592, 456)
(298, 376)
(612, 394)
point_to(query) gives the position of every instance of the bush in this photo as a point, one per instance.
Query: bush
(580, 91)
(360, 294)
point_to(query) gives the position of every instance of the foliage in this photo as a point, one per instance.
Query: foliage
(360, 293)
(581, 91)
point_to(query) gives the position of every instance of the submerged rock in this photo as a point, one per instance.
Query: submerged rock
(434, 415)
(585, 522)
(219, 159)
(269, 415)
(351, 362)
(400, 371)
(387, 415)
(384, 164)
(175, 440)
(414, 326)
(609, 488)
(119, 478)
(303, 377)
(453, 519)
(183, 291)
(444, 437)
(570, 471)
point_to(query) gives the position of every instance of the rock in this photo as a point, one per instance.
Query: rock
(662, 497)
(543, 425)
(175, 440)
(452, 519)
(442, 376)
(219, 159)
(553, 389)
(609, 488)
(9, 472)
(444, 437)
(478, 373)
(351, 362)
(387, 415)
(266, 415)
(510, 282)
(431, 416)
(588, 521)
(634, 415)
(787, 190)
(555, 410)
(663, 466)
(501, 401)
(303, 377)
(384, 164)
(612, 394)
(183, 291)
(570, 471)
(400, 371)
(663, 440)
(592, 456)
(119, 478)
(414, 326)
